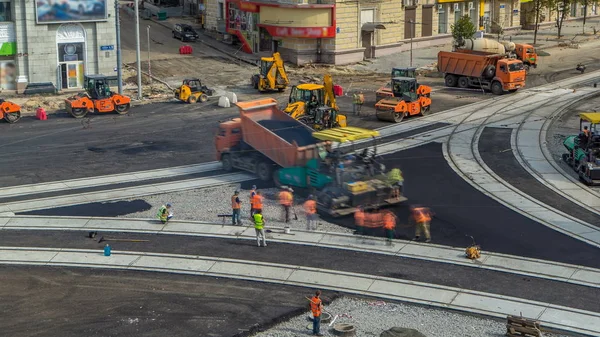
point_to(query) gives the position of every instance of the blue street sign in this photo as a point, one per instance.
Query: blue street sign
(111, 47)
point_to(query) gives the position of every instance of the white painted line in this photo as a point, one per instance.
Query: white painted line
(124, 193)
(406, 249)
(65, 185)
(550, 315)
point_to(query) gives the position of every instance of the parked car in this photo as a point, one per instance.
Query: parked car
(184, 32)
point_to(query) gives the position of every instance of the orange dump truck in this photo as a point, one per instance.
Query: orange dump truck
(265, 138)
(492, 72)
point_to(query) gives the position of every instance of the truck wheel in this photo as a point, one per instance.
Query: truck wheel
(226, 162)
(192, 99)
(463, 82)
(263, 171)
(497, 88)
(122, 108)
(526, 67)
(450, 80)
(203, 98)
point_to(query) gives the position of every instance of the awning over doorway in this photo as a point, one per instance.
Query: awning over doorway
(370, 27)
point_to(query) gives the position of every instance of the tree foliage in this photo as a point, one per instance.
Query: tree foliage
(463, 29)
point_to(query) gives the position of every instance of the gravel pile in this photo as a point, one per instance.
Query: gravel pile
(205, 204)
(371, 318)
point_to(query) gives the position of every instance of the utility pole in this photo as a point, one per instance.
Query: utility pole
(410, 21)
(119, 63)
(137, 48)
(149, 71)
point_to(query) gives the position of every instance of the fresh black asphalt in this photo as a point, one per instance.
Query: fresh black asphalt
(460, 212)
(492, 147)
(317, 257)
(75, 302)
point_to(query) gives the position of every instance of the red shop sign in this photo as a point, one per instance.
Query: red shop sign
(307, 32)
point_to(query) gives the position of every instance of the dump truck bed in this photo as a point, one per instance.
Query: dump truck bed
(276, 135)
(465, 64)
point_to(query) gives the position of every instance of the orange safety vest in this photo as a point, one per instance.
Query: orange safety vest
(310, 206)
(359, 218)
(257, 202)
(421, 215)
(234, 204)
(315, 306)
(388, 221)
(285, 198)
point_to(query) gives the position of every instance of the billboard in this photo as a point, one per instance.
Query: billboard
(57, 11)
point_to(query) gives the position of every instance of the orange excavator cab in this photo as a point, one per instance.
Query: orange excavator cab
(11, 112)
(97, 97)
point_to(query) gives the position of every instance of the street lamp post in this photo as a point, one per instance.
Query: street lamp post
(410, 21)
(149, 69)
(137, 48)
(119, 63)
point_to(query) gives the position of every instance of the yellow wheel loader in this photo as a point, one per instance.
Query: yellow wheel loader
(192, 91)
(272, 75)
(314, 105)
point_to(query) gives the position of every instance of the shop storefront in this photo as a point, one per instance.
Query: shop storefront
(8, 51)
(287, 28)
(70, 47)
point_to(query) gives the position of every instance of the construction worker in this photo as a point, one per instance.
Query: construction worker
(389, 223)
(359, 219)
(165, 213)
(360, 100)
(310, 208)
(586, 134)
(286, 199)
(257, 202)
(259, 228)
(422, 218)
(236, 206)
(252, 194)
(394, 177)
(316, 306)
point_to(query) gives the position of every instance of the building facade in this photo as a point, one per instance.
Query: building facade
(342, 31)
(46, 41)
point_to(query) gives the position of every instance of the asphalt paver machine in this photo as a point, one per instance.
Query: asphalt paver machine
(583, 150)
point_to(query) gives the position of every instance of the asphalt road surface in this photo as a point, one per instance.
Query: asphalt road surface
(532, 288)
(75, 302)
(461, 211)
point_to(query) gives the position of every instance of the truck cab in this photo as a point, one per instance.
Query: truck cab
(228, 136)
(527, 54)
(511, 73)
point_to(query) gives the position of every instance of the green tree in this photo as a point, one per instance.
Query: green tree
(585, 4)
(562, 8)
(462, 30)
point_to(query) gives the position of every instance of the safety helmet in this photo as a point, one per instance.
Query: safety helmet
(168, 205)
(253, 187)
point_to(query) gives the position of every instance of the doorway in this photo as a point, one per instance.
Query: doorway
(367, 43)
(427, 20)
(71, 74)
(410, 15)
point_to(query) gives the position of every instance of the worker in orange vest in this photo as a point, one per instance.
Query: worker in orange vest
(316, 306)
(422, 218)
(236, 206)
(359, 219)
(257, 202)
(252, 194)
(389, 223)
(286, 199)
(310, 208)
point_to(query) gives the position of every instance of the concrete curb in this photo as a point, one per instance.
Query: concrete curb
(574, 274)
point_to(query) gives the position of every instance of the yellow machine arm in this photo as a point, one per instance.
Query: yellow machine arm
(277, 68)
(329, 96)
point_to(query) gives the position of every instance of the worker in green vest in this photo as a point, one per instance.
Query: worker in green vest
(357, 102)
(395, 178)
(259, 227)
(165, 213)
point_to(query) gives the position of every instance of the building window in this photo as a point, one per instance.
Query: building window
(5, 13)
(442, 19)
